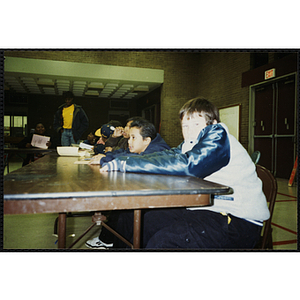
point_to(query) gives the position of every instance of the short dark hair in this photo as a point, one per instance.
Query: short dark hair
(39, 124)
(68, 94)
(147, 129)
(133, 119)
(200, 104)
(114, 123)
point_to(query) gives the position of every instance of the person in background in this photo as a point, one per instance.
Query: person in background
(143, 140)
(209, 151)
(103, 133)
(70, 121)
(90, 139)
(26, 143)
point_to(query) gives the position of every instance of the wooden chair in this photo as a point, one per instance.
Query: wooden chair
(270, 191)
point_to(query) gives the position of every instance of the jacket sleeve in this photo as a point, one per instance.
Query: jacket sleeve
(57, 126)
(112, 155)
(84, 123)
(210, 154)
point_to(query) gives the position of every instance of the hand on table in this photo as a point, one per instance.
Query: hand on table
(104, 169)
(108, 149)
(95, 160)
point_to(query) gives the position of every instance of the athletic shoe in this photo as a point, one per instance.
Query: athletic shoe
(96, 243)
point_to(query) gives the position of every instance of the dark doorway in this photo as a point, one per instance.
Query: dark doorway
(274, 125)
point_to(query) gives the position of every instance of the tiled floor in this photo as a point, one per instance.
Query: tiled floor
(284, 221)
(36, 231)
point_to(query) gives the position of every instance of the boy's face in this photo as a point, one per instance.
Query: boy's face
(40, 129)
(69, 101)
(192, 125)
(136, 142)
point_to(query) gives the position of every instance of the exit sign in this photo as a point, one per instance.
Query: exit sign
(269, 74)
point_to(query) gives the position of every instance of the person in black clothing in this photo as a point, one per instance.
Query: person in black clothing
(70, 120)
(26, 143)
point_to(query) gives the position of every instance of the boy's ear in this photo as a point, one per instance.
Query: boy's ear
(147, 140)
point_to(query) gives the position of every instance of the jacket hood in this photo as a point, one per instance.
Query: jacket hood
(158, 144)
(75, 106)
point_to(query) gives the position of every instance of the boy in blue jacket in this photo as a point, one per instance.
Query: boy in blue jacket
(143, 140)
(209, 151)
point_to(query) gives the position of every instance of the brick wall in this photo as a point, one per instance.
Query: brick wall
(220, 77)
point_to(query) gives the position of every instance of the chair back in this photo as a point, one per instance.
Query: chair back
(270, 190)
(255, 156)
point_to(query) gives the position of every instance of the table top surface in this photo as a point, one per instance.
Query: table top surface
(28, 150)
(54, 176)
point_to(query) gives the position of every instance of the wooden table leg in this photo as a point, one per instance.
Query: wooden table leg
(62, 217)
(137, 229)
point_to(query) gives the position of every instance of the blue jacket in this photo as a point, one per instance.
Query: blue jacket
(218, 157)
(156, 145)
(80, 121)
(210, 153)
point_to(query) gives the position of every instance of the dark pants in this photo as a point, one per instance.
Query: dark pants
(122, 222)
(125, 228)
(105, 235)
(179, 228)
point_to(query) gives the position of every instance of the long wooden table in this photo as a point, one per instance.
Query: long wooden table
(54, 184)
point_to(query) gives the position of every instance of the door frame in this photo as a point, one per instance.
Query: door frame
(252, 109)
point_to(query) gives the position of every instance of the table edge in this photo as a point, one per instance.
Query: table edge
(83, 194)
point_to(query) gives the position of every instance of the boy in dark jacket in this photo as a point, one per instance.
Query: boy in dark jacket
(208, 151)
(118, 141)
(70, 120)
(143, 139)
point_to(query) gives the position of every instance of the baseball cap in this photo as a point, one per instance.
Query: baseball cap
(105, 131)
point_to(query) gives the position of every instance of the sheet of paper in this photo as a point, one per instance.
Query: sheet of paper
(85, 146)
(40, 141)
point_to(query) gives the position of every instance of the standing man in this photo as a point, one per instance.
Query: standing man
(70, 120)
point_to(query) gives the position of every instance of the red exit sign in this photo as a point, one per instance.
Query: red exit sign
(269, 73)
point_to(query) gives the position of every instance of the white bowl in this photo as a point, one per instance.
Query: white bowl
(68, 151)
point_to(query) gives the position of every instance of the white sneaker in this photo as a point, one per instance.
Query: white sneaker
(96, 243)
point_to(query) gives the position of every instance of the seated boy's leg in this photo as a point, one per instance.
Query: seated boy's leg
(105, 235)
(203, 229)
(124, 228)
(242, 234)
(158, 219)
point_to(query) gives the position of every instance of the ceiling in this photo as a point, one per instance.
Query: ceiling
(33, 76)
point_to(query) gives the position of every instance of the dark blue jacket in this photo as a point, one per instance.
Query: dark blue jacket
(156, 145)
(80, 121)
(210, 154)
